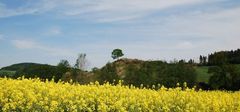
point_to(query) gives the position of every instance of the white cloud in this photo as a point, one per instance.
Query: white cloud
(29, 44)
(98, 10)
(217, 30)
(213, 29)
(185, 35)
(215, 24)
(123, 10)
(173, 35)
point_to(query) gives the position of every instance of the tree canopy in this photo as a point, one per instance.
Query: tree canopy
(117, 53)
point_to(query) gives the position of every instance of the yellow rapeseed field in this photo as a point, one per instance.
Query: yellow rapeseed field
(33, 95)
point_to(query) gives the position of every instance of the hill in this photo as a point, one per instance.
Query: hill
(10, 71)
(21, 66)
(138, 72)
(30, 70)
(122, 64)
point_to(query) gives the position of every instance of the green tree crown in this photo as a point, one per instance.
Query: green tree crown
(117, 53)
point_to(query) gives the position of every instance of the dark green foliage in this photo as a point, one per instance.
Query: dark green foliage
(62, 67)
(134, 76)
(191, 61)
(157, 72)
(107, 74)
(64, 63)
(148, 73)
(225, 77)
(180, 73)
(224, 57)
(218, 58)
(7, 73)
(203, 60)
(20, 66)
(43, 71)
(117, 53)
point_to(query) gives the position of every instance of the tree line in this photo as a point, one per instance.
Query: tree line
(222, 65)
(219, 58)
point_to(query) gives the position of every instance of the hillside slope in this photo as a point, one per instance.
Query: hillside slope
(21, 66)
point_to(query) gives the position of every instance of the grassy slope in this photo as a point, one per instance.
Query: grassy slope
(238, 67)
(203, 74)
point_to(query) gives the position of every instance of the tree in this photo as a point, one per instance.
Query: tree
(191, 61)
(204, 60)
(218, 58)
(62, 67)
(64, 63)
(158, 72)
(81, 61)
(219, 79)
(225, 77)
(108, 74)
(117, 53)
(224, 57)
(182, 61)
(200, 59)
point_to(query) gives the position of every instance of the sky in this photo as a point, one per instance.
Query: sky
(46, 31)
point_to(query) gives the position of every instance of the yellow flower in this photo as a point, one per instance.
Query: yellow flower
(33, 95)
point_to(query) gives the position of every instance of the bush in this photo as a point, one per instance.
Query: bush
(225, 77)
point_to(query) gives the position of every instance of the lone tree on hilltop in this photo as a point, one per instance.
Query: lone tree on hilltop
(117, 53)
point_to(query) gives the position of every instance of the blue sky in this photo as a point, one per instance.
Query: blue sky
(46, 31)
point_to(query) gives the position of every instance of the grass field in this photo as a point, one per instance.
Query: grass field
(202, 74)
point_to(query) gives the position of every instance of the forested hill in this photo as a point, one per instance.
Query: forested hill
(21, 66)
(30, 70)
(137, 72)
